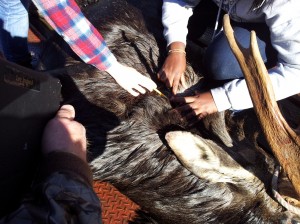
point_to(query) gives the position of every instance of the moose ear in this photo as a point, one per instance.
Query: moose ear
(204, 158)
(193, 152)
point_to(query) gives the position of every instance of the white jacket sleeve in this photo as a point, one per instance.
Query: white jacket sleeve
(175, 16)
(283, 19)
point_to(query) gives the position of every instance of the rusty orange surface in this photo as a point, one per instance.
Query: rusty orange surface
(116, 207)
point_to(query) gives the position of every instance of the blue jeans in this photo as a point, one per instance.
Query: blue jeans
(219, 61)
(14, 25)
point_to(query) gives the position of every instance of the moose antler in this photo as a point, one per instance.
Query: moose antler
(283, 140)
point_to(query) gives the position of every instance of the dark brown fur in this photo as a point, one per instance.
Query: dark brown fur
(127, 135)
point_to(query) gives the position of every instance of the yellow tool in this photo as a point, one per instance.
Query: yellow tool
(160, 93)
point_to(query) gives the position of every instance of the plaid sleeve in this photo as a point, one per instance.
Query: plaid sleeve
(67, 19)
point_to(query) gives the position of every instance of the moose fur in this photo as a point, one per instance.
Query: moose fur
(131, 140)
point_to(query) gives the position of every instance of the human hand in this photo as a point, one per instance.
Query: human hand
(130, 79)
(174, 67)
(194, 108)
(64, 134)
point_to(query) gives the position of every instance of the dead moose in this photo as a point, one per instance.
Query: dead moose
(132, 139)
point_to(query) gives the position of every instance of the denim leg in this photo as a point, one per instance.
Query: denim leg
(14, 25)
(219, 61)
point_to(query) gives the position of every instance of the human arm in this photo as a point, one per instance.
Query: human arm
(67, 19)
(285, 35)
(130, 79)
(174, 66)
(194, 108)
(175, 16)
(62, 191)
(234, 95)
(285, 76)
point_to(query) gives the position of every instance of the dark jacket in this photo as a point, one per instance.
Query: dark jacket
(61, 193)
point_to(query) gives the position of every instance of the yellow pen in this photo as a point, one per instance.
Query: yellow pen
(160, 93)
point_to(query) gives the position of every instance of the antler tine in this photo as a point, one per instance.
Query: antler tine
(283, 140)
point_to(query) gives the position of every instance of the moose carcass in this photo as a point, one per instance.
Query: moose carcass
(127, 135)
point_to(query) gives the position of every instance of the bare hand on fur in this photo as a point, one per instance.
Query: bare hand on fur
(194, 108)
(64, 134)
(174, 67)
(130, 79)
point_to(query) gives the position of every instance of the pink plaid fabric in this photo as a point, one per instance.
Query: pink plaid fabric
(67, 19)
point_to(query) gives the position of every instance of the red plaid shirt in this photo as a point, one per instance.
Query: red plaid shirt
(67, 19)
